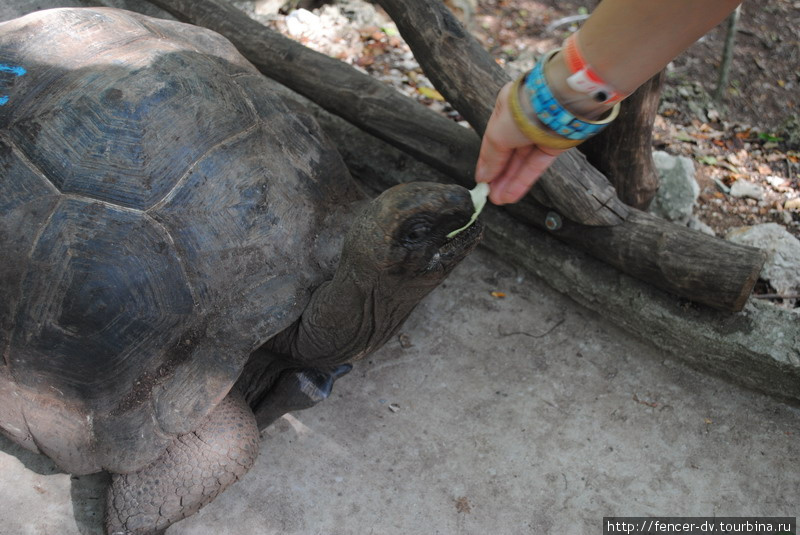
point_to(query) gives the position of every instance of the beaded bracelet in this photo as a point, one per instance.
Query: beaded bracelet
(530, 128)
(553, 115)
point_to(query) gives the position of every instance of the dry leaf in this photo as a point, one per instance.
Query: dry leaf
(430, 93)
(462, 505)
(792, 204)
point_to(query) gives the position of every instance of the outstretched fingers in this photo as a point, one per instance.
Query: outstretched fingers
(508, 160)
(523, 170)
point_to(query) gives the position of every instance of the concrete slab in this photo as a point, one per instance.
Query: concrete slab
(522, 414)
(508, 415)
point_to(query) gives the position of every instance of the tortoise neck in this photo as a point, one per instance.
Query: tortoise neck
(347, 318)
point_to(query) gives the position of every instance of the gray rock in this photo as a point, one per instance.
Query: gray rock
(782, 269)
(301, 22)
(678, 192)
(361, 14)
(696, 224)
(743, 188)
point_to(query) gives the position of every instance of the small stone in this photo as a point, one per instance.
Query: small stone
(268, 7)
(696, 224)
(394, 407)
(776, 181)
(743, 188)
(301, 21)
(405, 341)
(678, 192)
(792, 204)
(783, 254)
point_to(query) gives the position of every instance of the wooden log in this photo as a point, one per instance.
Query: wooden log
(623, 152)
(364, 101)
(758, 347)
(704, 269)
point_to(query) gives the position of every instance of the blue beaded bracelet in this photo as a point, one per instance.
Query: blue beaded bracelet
(552, 114)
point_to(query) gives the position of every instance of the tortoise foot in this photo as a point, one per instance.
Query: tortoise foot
(193, 471)
(296, 390)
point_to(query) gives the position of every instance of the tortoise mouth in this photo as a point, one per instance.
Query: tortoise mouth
(454, 250)
(463, 243)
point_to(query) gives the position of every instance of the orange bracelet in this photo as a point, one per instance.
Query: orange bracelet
(584, 78)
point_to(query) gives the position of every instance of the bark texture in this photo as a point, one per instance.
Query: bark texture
(623, 152)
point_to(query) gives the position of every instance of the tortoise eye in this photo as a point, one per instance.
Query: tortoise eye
(415, 232)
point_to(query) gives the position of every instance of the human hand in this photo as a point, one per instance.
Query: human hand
(508, 160)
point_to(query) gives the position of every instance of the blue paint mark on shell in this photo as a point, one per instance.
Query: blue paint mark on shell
(16, 70)
(13, 69)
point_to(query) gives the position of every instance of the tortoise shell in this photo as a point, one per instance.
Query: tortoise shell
(162, 215)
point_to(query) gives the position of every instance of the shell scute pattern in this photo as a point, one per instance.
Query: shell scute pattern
(158, 190)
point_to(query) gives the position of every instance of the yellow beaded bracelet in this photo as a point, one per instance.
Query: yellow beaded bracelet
(533, 131)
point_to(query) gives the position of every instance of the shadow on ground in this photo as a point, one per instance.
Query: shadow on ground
(86, 493)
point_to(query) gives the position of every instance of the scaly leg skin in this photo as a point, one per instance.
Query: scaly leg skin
(193, 470)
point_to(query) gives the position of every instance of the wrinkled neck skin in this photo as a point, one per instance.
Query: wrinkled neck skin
(350, 316)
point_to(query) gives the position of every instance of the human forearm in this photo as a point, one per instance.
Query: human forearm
(628, 41)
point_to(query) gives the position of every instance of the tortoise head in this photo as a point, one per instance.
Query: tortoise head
(394, 254)
(401, 237)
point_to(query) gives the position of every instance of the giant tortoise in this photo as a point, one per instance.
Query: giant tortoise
(183, 257)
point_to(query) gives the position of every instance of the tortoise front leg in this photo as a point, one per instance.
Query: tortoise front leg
(297, 389)
(193, 471)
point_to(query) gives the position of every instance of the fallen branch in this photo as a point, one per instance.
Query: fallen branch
(364, 101)
(380, 110)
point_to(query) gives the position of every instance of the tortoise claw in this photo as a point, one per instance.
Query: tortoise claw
(297, 390)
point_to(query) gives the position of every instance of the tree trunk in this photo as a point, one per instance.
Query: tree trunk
(623, 152)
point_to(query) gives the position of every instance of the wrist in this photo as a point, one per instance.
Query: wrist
(528, 123)
(581, 104)
(551, 111)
